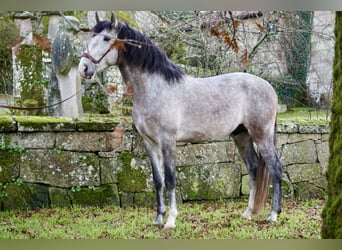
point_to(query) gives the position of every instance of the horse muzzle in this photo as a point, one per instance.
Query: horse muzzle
(86, 68)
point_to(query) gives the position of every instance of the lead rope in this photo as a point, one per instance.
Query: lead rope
(44, 107)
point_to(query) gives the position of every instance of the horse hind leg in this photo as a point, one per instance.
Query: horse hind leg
(247, 152)
(269, 154)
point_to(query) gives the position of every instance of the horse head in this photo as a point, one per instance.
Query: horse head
(102, 48)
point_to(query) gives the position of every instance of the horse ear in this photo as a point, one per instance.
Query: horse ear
(113, 20)
(97, 17)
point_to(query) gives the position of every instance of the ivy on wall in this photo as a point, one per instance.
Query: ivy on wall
(33, 82)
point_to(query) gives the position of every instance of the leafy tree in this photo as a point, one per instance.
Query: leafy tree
(298, 49)
(332, 213)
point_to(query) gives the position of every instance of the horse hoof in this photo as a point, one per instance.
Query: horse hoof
(268, 221)
(169, 226)
(158, 220)
(272, 218)
(156, 223)
(247, 215)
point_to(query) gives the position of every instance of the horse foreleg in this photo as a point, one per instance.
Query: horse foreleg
(159, 185)
(171, 220)
(169, 156)
(155, 156)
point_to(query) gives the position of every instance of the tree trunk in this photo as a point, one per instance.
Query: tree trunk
(332, 213)
(298, 52)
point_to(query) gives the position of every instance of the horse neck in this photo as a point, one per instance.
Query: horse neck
(137, 79)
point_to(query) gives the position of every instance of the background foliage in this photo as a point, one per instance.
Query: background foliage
(8, 33)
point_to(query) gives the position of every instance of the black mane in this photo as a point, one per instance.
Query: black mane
(148, 57)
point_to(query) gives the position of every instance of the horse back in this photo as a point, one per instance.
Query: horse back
(214, 107)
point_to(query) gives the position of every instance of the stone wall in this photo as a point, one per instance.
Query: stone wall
(49, 162)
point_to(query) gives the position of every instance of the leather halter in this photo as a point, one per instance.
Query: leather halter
(92, 59)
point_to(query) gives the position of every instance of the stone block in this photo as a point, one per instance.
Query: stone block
(85, 141)
(25, 196)
(323, 155)
(325, 137)
(127, 199)
(245, 185)
(60, 168)
(59, 197)
(287, 188)
(244, 170)
(321, 182)
(281, 139)
(304, 137)
(216, 152)
(96, 196)
(143, 163)
(132, 180)
(33, 140)
(210, 181)
(146, 199)
(307, 190)
(121, 139)
(110, 167)
(9, 166)
(303, 172)
(300, 152)
(136, 173)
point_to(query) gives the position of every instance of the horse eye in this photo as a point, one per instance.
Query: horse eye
(106, 38)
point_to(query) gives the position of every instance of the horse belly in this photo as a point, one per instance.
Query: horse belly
(211, 130)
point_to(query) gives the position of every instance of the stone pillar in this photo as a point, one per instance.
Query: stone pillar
(54, 94)
(64, 67)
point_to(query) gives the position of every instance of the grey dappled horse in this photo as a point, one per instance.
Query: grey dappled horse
(170, 106)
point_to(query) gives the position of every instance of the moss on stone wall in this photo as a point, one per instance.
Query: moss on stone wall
(75, 161)
(9, 165)
(96, 196)
(7, 124)
(25, 196)
(43, 123)
(131, 179)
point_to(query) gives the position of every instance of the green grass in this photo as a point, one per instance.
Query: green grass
(304, 116)
(214, 220)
